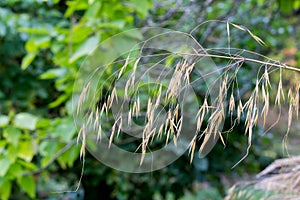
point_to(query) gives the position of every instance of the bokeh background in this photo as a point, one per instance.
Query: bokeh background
(42, 45)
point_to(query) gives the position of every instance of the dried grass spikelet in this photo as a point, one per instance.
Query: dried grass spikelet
(173, 119)
(160, 131)
(201, 114)
(266, 78)
(144, 146)
(90, 118)
(147, 134)
(131, 80)
(167, 122)
(231, 104)
(148, 131)
(123, 67)
(280, 92)
(114, 94)
(136, 107)
(150, 112)
(168, 126)
(175, 83)
(113, 130)
(256, 38)
(176, 112)
(129, 119)
(99, 133)
(119, 125)
(82, 135)
(222, 139)
(251, 118)
(179, 126)
(192, 146)
(96, 121)
(126, 88)
(104, 108)
(293, 97)
(265, 109)
(238, 27)
(97, 125)
(111, 97)
(240, 111)
(158, 96)
(188, 70)
(82, 97)
(265, 95)
(152, 134)
(217, 116)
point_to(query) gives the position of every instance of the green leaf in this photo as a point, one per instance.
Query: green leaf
(26, 150)
(25, 121)
(79, 34)
(45, 161)
(2, 145)
(4, 165)
(66, 129)
(27, 60)
(43, 123)
(286, 6)
(42, 41)
(12, 135)
(86, 48)
(117, 24)
(27, 183)
(56, 47)
(30, 46)
(5, 189)
(93, 10)
(16, 170)
(53, 73)
(134, 33)
(12, 152)
(37, 42)
(75, 5)
(47, 148)
(61, 58)
(61, 99)
(68, 158)
(142, 6)
(3, 120)
(36, 31)
(27, 165)
(296, 5)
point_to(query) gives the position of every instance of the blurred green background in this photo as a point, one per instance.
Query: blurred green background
(42, 45)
